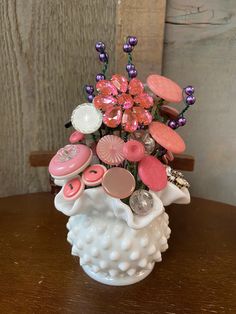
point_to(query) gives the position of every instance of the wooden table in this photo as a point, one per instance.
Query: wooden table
(38, 274)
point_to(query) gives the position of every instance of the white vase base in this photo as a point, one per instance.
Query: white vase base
(114, 281)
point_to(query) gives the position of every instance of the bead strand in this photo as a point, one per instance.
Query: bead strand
(128, 48)
(189, 101)
(104, 58)
(89, 90)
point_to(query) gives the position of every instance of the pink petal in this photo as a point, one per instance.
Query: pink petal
(120, 82)
(125, 100)
(144, 116)
(135, 87)
(112, 117)
(145, 100)
(106, 88)
(103, 102)
(129, 121)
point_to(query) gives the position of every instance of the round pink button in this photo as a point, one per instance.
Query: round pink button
(170, 112)
(152, 173)
(164, 88)
(118, 182)
(133, 150)
(93, 175)
(167, 137)
(70, 160)
(73, 189)
(76, 137)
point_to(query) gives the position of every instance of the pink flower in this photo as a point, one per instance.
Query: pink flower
(119, 94)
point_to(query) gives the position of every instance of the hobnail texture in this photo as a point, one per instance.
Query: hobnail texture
(116, 246)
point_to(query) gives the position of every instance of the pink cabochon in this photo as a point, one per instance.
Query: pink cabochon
(120, 82)
(73, 189)
(165, 88)
(93, 174)
(106, 88)
(76, 137)
(118, 182)
(135, 87)
(133, 150)
(170, 112)
(152, 173)
(167, 137)
(69, 160)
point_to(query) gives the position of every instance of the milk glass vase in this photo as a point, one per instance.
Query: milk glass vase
(116, 246)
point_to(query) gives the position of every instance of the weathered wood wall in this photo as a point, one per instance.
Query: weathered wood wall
(47, 55)
(200, 49)
(146, 19)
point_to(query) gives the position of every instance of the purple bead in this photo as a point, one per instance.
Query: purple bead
(190, 100)
(89, 89)
(100, 46)
(130, 66)
(141, 127)
(90, 98)
(100, 77)
(189, 90)
(182, 121)
(132, 40)
(132, 73)
(127, 47)
(173, 124)
(103, 57)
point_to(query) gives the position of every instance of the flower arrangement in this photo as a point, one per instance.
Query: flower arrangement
(124, 136)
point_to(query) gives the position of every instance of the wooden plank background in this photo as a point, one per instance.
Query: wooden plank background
(47, 55)
(200, 49)
(146, 19)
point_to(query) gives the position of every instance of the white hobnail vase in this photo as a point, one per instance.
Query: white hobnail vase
(116, 246)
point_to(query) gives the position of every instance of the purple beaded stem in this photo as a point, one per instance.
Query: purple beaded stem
(100, 46)
(189, 90)
(132, 40)
(127, 48)
(173, 124)
(103, 57)
(130, 66)
(190, 100)
(181, 121)
(133, 73)
(89, 89)
(100, 77)
(90, 98)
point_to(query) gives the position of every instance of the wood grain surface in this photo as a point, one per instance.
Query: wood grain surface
(200, 49)
(47, 55)
(145, 19)
(38, 274)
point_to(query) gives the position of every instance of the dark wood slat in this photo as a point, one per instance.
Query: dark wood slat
(42, 159)
(183, 162)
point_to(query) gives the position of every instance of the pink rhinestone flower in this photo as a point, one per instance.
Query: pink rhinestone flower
(123, 102)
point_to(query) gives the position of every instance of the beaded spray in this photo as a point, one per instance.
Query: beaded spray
(129, 130)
